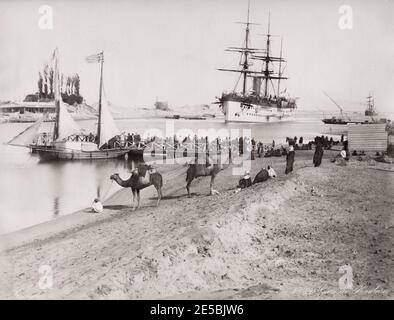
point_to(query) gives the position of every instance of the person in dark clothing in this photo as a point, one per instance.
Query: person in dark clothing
(241, 146)
(317, 157)
(260, 149)
(253, 143)
(301, 141)
(290, 141)
(342, 138)
(346, 148)
(290, 160)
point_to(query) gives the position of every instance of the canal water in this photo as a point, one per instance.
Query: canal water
(32, 192)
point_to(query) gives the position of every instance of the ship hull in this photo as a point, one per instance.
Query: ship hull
(235, 111)
(77, 151)
(53, 154)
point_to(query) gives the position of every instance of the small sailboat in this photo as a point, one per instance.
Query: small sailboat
(67, 141)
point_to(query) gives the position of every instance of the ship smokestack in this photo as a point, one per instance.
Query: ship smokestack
(256, 85)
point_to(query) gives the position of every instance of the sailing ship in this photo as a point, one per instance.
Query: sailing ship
(263, 103)
(370, 110)
(67, 141)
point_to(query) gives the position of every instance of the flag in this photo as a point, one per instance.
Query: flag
(94, 58)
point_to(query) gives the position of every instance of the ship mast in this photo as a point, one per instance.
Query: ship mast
(245, 51)
(266, 73)
(101, 57)
(245, 65)
(280, 67)
(57, 94)
(267, 60)
(370, 102)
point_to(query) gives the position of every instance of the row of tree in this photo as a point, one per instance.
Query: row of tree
(69, 85)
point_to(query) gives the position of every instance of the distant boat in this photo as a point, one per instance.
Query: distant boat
(194, 118)
(67, 142)
(335, 120)
(175, 116)
(370, 111)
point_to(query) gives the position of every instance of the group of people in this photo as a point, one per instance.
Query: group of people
(43, 139)
(123, 141)
(261, 176)
(321, 144)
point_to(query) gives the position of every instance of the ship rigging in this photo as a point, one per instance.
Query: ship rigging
(257, 105)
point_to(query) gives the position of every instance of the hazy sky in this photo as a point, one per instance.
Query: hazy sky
(171, 49)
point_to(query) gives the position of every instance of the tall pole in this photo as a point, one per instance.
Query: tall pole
(57, 95)
(280, 67)
(266, 71)
(245, 64)
(101, 89)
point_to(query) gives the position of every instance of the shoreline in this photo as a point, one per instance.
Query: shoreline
(85, 216)
(77, 219)
(285, 238)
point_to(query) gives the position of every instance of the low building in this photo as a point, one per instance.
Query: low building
(367, 137)
(27, 107)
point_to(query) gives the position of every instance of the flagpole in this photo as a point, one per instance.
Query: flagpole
(99, 109)
(57, 95)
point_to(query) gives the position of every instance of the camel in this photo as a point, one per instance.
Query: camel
(202, 170)
(141, 177)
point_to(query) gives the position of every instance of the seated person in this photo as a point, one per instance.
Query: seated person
(271, 172)
(245, 181)
(97, 206)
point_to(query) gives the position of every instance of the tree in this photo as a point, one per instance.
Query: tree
(76, 84)
(68, 84)
(50, 77)
(62, 86)
(46, 81)
(39, 83)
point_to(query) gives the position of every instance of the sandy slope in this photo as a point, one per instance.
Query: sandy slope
(280, 239)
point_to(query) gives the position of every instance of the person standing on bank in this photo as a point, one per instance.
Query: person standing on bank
(290, 160)
(318, 153)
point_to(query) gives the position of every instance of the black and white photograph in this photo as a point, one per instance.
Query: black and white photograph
(189, 150)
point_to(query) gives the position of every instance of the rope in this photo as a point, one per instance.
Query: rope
(105, 195)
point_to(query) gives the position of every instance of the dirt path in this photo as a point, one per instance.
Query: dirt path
(279, 239)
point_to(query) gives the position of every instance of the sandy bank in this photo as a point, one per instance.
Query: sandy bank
(285, 238)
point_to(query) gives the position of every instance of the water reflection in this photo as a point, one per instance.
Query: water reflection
(34, 192)
(56, 210)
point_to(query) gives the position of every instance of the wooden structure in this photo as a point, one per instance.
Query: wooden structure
(367, 137)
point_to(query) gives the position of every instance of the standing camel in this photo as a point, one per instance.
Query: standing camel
(141, 177)
(202, 170)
